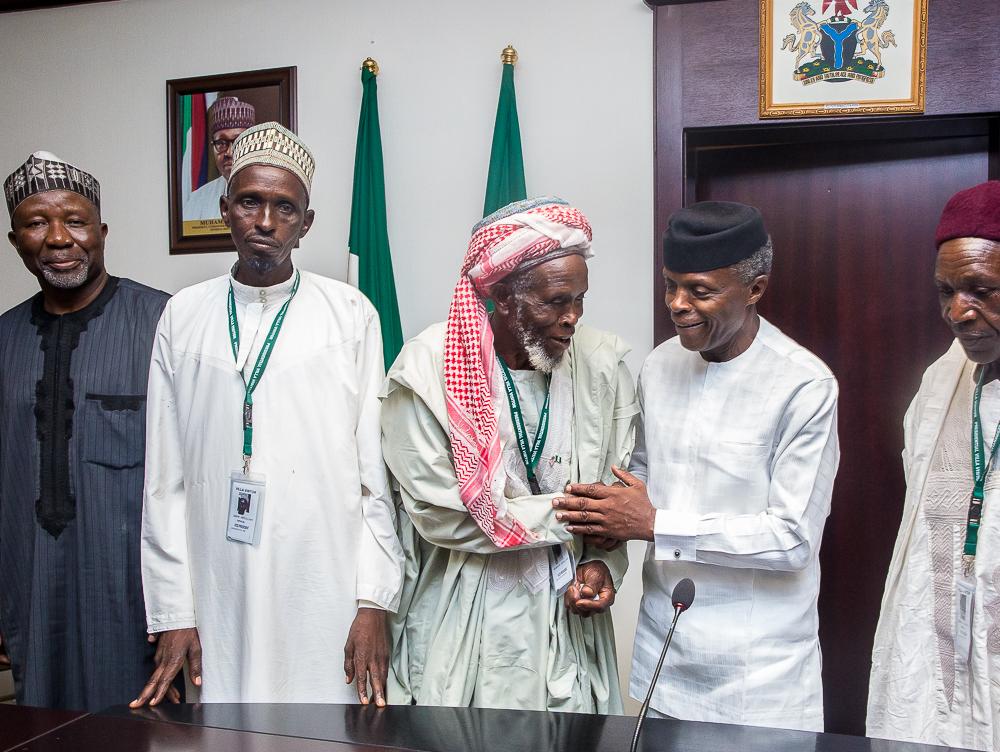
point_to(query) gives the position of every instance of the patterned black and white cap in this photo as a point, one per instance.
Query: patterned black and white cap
(44, 171)
(274, 145)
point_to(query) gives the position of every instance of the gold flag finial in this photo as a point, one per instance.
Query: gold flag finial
(509, 55)
(371, 65)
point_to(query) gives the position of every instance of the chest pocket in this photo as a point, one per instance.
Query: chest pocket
(737, 476)
(114, 430)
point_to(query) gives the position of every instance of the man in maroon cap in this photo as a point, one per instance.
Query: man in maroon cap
(936, 663)
(228, 117)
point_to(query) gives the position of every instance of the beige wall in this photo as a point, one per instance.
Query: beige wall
(88, 84)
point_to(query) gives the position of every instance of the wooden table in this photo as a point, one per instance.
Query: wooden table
(352, 728)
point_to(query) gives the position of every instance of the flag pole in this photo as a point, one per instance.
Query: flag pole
(505, 180)
(369, 258)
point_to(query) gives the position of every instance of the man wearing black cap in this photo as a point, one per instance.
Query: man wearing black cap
(74, 361)
(730, 481)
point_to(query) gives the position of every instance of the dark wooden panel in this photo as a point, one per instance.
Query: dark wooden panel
(963, 48)
(669, 158)
(853, 224)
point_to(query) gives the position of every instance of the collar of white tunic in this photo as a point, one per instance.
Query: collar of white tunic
(712, 371)
(264, 295)
(256, 308)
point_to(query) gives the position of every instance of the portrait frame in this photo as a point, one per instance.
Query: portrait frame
(883, 75)
(271, 90)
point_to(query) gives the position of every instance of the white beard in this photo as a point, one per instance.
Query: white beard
(537, 355)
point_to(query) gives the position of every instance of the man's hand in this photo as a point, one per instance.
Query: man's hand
(623, 512)
(592, 579)
(4, 658)
(366, 655)
(173, 647)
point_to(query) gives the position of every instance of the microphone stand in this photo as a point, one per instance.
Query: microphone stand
(678, 610)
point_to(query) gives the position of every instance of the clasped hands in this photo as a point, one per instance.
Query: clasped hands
(604, 514)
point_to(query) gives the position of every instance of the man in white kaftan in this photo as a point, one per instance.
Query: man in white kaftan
(730, 481)
(272, 615)
(936, 662)
(483, 619)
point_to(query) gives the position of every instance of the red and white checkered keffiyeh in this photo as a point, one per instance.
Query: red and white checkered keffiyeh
(518, 233)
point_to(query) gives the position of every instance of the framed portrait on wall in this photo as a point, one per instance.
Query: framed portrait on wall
(204, 116)
(842, 57)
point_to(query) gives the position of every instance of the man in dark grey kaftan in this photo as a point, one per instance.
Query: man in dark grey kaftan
(74, 361)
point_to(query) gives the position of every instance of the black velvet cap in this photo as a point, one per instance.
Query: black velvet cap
(712, 234)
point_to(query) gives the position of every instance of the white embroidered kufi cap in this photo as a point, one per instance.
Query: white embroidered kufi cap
(273, 144)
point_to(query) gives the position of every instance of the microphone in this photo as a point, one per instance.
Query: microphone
(681, 598)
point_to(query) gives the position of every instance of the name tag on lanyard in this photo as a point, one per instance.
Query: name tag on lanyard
(246, 507)
(246, 489)
(965, 606)
(562, 567)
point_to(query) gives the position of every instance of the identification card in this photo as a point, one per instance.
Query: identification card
(246, 507)
(965, 603)
(562, 567)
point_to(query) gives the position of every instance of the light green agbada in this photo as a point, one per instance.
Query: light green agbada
(476, 625)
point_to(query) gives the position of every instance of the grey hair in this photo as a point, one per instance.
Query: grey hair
(757, 264)
(519, 281)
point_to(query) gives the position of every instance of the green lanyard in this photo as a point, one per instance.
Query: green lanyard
(530, 456)
(980, 468)
(259, 366)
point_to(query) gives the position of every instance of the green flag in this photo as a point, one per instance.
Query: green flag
(505, 183)
(370, 260)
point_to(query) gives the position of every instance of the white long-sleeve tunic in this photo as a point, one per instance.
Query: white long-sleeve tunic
(273, 618)
(922, 688)
(739, 458)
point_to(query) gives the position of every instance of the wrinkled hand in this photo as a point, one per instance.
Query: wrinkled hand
(4, 658)
(623, 512)
(366, 655)
(592, 579)
(173, 647)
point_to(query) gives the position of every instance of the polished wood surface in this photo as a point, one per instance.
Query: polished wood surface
(852, 205)
(435, 729)
(94, 733)
(19, 725)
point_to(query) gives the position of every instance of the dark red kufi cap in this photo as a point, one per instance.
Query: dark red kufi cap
(972, 213)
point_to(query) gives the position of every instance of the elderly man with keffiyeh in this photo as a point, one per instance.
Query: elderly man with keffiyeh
(485, 418)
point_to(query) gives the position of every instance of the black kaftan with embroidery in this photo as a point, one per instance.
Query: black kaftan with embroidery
(72, 446)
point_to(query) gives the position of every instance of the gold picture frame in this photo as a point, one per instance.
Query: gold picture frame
(850, 60)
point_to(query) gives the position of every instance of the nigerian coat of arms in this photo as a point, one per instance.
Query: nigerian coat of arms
(844, 44)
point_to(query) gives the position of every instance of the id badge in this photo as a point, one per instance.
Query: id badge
(562, 567)
(965, 603)
(246, 508)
